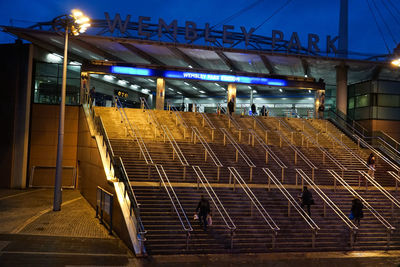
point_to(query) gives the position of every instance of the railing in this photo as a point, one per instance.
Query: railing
(393, 200)
(354, 129)
(396, 178)
(239, 150)
(117, 166)
(178, 116)
(291, 201)
(136, 134)
(376, 214)
(104, 204)
(207, 150)
(256, 122)
(256, 203)
(327, 201)
(150, 116)
(268, 152)
(296, 151)
(175, 149)
(234, 122)
(377, 153)
(215, 200)
(134, 206)
(205, 119)
(176, 204)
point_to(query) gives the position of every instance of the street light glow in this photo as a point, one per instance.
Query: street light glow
(396, 62)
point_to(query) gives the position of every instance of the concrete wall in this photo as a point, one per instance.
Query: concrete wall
(43, 143)
(15, 76)
(92, 174)
(392, 128)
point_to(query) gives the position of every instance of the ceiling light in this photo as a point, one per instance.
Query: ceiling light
(280, 90)
(179, 93)
(305, 75)
(150, 80)
(186, 83)
(396, 62)
(216, 84)
(309, 91)
(135, 86)
(255, 91)
(249, 87)
(202, 92)
(190, 66)
(194, 88)
(108, 77)
(171, 89)
(76, 63)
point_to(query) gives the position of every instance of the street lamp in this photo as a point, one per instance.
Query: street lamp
(74, 23)
(396, 52)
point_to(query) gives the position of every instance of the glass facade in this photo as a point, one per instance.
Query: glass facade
(377, 100)
(48, 81)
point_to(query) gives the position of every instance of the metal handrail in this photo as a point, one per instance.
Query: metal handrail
(354, 193)
(217, 203)
(174, 198)
(291, 201)
(237, 147)
(206, 119)
(174, 145)
(207, 147)
(396, 178)
(377, 153)
(142, 146)
(150, 113)
(264, 214)
(179, 116)
(381, 189)
(231, 118)
(294, 148)
(391, 138)
(329, 202)
(349, 150)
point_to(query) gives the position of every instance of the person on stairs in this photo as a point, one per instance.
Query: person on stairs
(371, 165)
(203, 209)
(357, 211)
(306, 200)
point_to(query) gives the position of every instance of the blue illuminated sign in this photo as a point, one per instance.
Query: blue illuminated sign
(131, 71)
(197, 76)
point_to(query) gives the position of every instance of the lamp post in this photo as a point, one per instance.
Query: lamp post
(72, 24)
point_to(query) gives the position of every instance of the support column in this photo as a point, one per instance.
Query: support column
(232, 94)
(251, 97)
(341, 87)
(160, 94)
(319, 101)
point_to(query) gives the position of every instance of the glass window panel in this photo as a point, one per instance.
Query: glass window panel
(362, 101)
(388, 100)
(351, 102)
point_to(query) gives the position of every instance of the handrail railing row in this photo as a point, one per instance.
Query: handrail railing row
(176, 204)
(179, 117)
(254, 200)
(327, 201)
(291, 201)
(239, 150)
(396, 178)
(215, 200)
(175, 146)
(136, 134)
(205, 119)
(375, 213)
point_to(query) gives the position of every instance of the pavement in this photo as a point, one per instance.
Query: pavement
(32, 234)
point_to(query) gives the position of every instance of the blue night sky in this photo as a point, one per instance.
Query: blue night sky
(303, 16)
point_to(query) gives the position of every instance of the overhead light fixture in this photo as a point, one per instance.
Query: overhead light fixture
(396, 62)
(150, 80)
(171, 89)
(309, 91)
(75, 63)
(135, 86)
(122, 82)
(202, 92)
(216, 84)
(186, 83)
(195, 88)
(179, 93)
(305, 75)
(255, 91)
(190, 66)
(280, 90)
(108, 77)
(249, 87)
(54, 58)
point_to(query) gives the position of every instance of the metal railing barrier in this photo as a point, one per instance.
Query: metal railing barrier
(178, 117)
(396, 178)
(230, 225)
(104, 204)
(176, 204)
(376, 214)
(207, 150)
(254, 202)
(291, 201)
(327, 201)
(205, 119)
(232, 120)
(239, 150)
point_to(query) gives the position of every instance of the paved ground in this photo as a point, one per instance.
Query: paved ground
(31, 234)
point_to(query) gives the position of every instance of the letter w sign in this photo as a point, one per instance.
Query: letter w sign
(117, 19)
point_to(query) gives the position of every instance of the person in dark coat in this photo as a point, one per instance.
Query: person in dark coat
(263, 111)
(357, 210)
(92, 94)
(306, 200)
(203, 209)
(253, 109)
(231, 107)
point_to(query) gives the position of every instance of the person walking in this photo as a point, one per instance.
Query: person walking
(357, 211)
(92, 94)
(263, 111)
(253, 109)
(306, 200)
(371, 165)
(231, 107)
(203, 209)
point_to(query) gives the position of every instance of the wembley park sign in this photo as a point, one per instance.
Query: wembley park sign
(191, 33)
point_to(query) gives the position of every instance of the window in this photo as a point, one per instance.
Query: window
(388, 100)
(362, 101)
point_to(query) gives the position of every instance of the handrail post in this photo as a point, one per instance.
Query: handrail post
(324, 209)
(269, 183)
(283, 174)
(280, 140)
(251, 174)
(205, 155)
(334, 184)
(249, 142)
(296, 178)
(184, 172)
(312, 174)
(237, 155)
(266, 157)
(266, 137)
(218, 170)
(295, 157)
(288, 206)
(240, 135)
(212, 134)
(252, 141)
(224, 139)
(148, 171)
